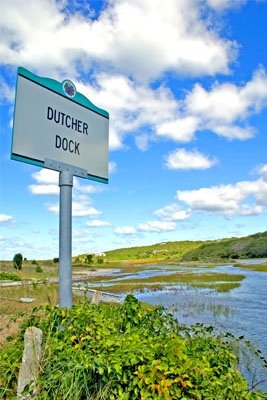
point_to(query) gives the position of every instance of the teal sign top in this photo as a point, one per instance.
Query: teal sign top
(54, 121)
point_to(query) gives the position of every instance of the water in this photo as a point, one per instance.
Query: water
(242, 311)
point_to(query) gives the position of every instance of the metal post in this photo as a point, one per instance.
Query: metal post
(65, 253)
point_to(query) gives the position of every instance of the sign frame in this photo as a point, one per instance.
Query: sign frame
(57, 88)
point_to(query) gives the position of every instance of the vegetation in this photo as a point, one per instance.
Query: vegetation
(6, 276)
(253, 267)
(253, 246)
(17, 261)
(126, 352)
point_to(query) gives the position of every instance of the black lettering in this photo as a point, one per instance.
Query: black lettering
(79, 126)
(85, 127)
(62, 118)
(65, 144)
(71, 150)
(56, 116)
(49, 113)
(77, 148)
(58, 141)
(67, 119)
(74, 123)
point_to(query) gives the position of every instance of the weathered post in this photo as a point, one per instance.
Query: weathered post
(29, 370)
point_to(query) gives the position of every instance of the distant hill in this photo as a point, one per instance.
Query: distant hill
(253, 246)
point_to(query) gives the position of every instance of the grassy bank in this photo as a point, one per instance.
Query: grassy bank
(126, 352)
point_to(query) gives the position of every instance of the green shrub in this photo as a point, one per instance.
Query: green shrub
(6, 276)
(127, 352)
(38, 269)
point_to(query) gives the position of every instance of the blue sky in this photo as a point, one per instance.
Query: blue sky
(185, 83)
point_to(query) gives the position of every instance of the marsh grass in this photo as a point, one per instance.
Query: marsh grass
(219, 282)
(201, 306)
(252, 267)
(222, 287)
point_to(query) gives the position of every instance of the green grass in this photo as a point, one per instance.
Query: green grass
(252, 267)
(220, 282)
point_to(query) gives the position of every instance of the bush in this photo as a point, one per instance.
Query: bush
(5, 276)
(17, 261)
(38, 269)
(126, 352)
(34, 262)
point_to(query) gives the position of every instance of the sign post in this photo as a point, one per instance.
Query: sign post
(56, 127)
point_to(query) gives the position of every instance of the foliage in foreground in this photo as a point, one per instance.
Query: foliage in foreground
(6, 276)
(127, 352)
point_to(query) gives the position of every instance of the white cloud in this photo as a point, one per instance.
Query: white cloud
(227, 104)
(47, 184)
(223, 109)
(181, 129)
(243, 198)
(142, 142)
(186, 160)
(157, 226)
(172, 212)
(125, 230)
(6, 218)
(112, 167)
(44, 189)
(131, 106)
(79, 209)
(144, 38)
(46, 176)
(97, 223)
(7, 93)
(86, 189)
(220, 5)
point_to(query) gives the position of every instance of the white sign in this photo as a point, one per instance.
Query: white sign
(50, 124)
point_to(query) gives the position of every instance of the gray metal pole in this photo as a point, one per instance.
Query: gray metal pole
(65, 227)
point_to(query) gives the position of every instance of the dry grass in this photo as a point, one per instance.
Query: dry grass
(13, 311)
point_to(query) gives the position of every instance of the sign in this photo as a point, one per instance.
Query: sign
(53, 121)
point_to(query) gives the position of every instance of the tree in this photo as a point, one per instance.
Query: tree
(89, 258)
(17, 261)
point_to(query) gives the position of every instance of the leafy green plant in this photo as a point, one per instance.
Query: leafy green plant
(38, 269)
(6, 276)
(128, 352)
(17, 261)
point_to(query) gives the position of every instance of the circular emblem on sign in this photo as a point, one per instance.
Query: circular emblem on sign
(69, 88)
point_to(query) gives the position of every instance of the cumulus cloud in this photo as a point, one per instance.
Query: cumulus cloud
(97, 223)
(157, 226)
(47, 184)
(186, 160)
(131, 105)
(144, 38)
(223, 109)
(6, 218)
(79, 209)
(125, 230)
(226, 104)
(243, 198)
(172, 212)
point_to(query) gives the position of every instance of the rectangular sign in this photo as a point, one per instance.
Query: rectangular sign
(49, 124)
